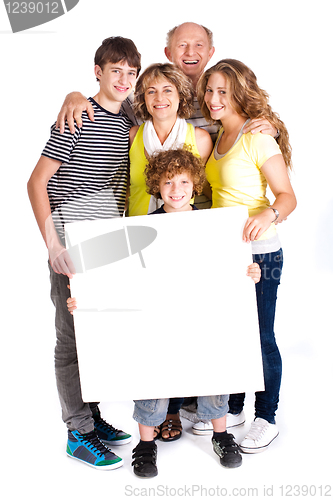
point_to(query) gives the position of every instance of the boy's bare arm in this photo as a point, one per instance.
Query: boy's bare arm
(37, 191)
(72, 109)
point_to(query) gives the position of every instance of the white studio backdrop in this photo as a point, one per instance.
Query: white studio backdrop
(288, 46)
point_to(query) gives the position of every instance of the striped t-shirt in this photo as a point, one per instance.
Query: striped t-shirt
(92, 178)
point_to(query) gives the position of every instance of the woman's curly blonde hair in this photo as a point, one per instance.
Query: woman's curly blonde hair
(248, 99)
(174, 75)
(174, 162)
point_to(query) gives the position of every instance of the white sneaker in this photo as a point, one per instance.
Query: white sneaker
(235, 420)
(205, 427)
(259, 437)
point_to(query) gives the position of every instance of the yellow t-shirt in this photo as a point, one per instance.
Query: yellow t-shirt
(138, 201)
(236, 178)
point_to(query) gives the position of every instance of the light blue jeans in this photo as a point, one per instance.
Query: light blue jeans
(152, 412)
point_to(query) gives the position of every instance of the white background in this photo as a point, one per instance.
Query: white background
(288, 45)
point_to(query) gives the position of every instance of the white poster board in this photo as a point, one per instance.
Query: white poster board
(165, 308)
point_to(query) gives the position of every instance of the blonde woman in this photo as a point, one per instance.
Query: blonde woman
(163, 100)
(238, 171)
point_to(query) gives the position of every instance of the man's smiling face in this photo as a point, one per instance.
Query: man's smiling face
(190, 50)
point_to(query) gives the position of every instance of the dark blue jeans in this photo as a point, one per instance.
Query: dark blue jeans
(266, 402)
(174, 405)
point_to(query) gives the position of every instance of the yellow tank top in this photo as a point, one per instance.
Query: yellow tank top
(138, 201)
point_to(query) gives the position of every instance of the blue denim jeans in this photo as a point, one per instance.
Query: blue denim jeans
(174, 405)
(266, 402)
(153, 411)
(76, 414)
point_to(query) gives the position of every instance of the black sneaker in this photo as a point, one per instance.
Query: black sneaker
(228, 451)
(107, 433)
(144, 463)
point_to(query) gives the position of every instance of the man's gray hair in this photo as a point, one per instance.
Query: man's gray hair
(172, 32)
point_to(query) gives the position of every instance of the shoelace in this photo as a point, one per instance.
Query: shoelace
(257, 430)
(92, 441)
(100, 421)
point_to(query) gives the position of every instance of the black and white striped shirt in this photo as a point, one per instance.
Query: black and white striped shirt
(92, 178)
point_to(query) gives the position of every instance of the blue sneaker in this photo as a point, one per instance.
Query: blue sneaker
(89, 449)
(107, 433)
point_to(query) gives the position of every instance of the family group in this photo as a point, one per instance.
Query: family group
(176, 137)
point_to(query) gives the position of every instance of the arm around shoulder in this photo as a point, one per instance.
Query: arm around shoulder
(261, 125)
(72, 109)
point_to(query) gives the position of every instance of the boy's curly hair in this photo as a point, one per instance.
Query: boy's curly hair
(174, 162)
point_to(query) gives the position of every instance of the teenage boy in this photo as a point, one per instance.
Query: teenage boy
(84, 177)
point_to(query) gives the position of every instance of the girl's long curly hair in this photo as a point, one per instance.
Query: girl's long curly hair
(248, 99)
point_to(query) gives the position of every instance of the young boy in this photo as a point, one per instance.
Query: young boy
(79, 177)
(176, 176)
